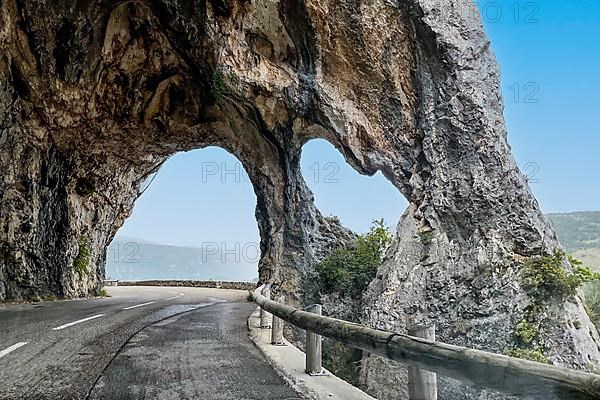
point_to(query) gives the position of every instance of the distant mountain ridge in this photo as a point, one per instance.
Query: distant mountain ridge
(130, 258)
(131, 239)
(579, 234)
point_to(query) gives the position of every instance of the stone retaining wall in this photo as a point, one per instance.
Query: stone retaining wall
(192, 283)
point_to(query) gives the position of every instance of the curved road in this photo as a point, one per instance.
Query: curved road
(140, 343)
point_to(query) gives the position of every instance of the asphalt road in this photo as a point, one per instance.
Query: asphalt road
(140, 343)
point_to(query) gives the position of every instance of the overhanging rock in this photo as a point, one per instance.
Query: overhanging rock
(94, 96)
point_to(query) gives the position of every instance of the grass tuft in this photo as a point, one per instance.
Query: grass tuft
(591, 297)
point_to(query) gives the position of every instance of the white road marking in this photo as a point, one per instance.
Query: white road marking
(181, 294)
(12, 348)
(139, 305)
(172, 298)
(58, 328)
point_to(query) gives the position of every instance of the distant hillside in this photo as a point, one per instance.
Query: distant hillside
(579, 233)
(134, 259)
(590, 257)
(578, 230)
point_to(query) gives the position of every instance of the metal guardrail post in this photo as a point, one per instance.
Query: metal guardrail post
(314, 363)
(277, 330)
(265, 317)
(422, 384)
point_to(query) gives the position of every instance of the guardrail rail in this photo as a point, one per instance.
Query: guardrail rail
(476, 368)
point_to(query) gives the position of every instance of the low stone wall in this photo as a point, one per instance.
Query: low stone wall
(191, 283)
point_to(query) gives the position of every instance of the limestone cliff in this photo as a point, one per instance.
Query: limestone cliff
(95, 95)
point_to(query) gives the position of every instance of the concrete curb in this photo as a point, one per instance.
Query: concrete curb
(289, 362)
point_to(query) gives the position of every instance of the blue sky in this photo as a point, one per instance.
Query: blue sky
(559, 136)
(549, 55)
(197, 197)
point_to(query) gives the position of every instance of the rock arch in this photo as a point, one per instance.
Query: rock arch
(95, 95)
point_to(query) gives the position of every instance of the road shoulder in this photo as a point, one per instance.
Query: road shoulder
(289, 361)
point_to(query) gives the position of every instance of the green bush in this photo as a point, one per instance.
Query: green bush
(526, 332)
(546, 276)
(351, 269)
(426, 237)
(528, 354)
(334, 219)
(218, 85)
(82, 261)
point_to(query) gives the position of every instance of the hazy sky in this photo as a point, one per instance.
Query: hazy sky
(549, 55)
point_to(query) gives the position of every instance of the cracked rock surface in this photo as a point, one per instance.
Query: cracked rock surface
(95, 95)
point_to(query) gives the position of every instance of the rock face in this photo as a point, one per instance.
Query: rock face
(95, 95)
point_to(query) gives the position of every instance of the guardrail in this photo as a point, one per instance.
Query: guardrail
(477, 368)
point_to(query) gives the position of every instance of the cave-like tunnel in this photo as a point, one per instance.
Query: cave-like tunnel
(95, 95)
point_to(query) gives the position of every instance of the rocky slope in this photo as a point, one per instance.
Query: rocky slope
(95, 95)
